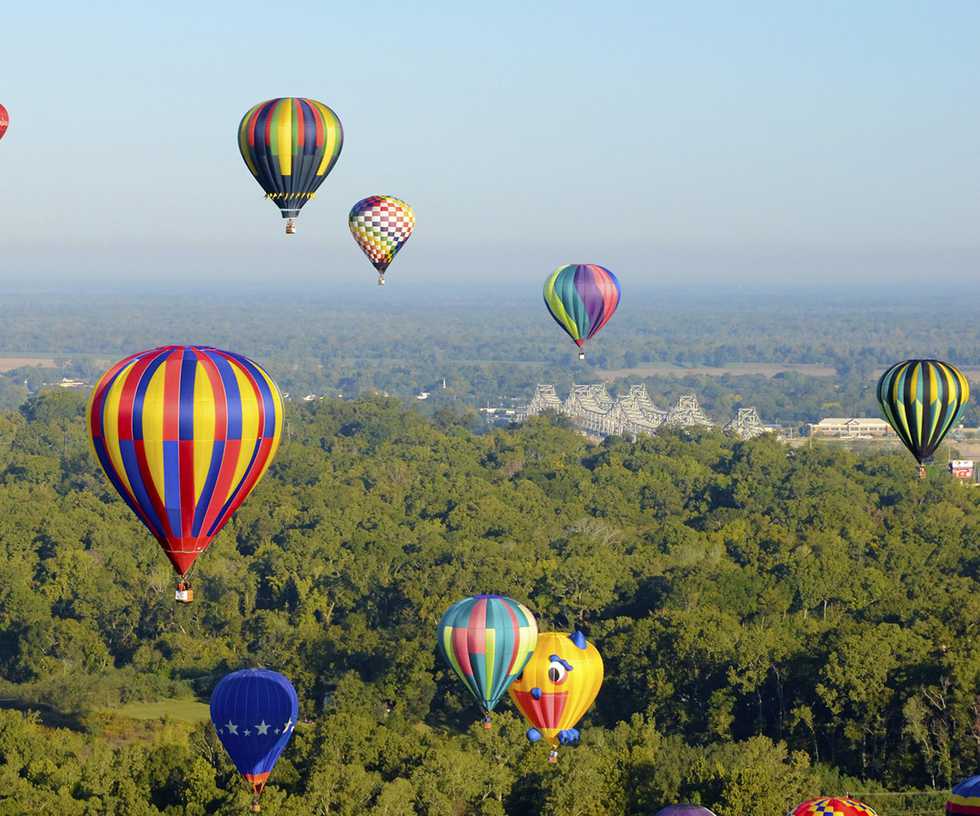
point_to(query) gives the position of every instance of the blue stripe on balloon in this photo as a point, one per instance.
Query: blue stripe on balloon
(141, 388)
(171, 483)
(188, 370)
(127, 448)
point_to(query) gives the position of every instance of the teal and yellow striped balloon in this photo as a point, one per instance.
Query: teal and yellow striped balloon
(921, 400)
(487, 640)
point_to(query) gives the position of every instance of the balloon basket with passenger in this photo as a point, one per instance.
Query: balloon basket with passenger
(184, 593)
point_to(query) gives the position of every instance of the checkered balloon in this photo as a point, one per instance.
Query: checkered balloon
(834, 806)
(381, 225)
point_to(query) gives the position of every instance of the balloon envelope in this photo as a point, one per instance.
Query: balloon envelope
(965, 799)
(837, 806)
(4, 120)
(559, 683)
(184, 434)
(254, 712)
(684, 810)
(921, 400)
(487, 640)
(290, 145)
(381, 225)
(581, 299)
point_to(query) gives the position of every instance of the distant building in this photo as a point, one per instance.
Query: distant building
(424, 395)
(688, 414)
(69, 383)
(592, 410)
(746, 424)
(962, 469)
(851, 428)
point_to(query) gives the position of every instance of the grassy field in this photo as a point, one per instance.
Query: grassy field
(10, 363)
(735, 369)
(181, 710)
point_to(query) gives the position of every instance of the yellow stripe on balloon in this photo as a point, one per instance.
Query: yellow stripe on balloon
(284, 123)
(204, 430)
(250, 424)
(447, 644)
(110, 426)
(331, 130)
(243, 145)
(490, 645)
(557, 307)
(153, 409)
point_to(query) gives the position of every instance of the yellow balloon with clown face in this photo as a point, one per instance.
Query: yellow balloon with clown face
(558, 685)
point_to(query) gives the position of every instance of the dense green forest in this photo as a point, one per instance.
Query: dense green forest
(402, 341)
(775, 623)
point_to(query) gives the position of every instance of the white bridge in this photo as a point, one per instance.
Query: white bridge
(592, 410)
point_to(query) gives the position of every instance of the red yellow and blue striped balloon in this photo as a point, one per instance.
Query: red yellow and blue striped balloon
(581, 299)
(290, 145)
(487, 640)
(184, 434)
(381, 225)
(965, 799)
(921, 400)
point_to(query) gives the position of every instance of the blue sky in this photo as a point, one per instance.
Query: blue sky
(670, 141)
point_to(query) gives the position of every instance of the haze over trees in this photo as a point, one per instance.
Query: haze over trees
(774, 623)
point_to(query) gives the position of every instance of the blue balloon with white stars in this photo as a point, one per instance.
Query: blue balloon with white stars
(254, 712)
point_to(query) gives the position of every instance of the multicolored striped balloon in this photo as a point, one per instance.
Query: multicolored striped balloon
(4, 120)
(921, 400)
(581, 299)
(965, 800)
(290, 145)
(833, 806)
(381, 225)
(486, 640)
(184, 434)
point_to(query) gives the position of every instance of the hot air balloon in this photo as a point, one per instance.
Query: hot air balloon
(558, 685)
(254, 712)
(965, 799)
(184, 434)
(487, 640)
(290, 145)
(834, 806)
(581, 299)
(381, 225)
(4, 120)
(684, 810)
(921, 400)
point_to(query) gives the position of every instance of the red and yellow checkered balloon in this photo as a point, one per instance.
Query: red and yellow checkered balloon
(843, 806)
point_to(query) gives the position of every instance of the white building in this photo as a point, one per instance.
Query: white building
(851, 428)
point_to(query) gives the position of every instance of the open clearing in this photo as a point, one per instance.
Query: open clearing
(183, 710)
(734, 369)
(10, 363)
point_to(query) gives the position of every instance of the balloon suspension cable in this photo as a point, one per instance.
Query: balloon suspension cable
(553, 756)
(381, 279)
(290, 226)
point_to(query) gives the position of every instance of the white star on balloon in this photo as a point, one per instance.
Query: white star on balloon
(232, 728)
(248, 733)
(262, 729)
